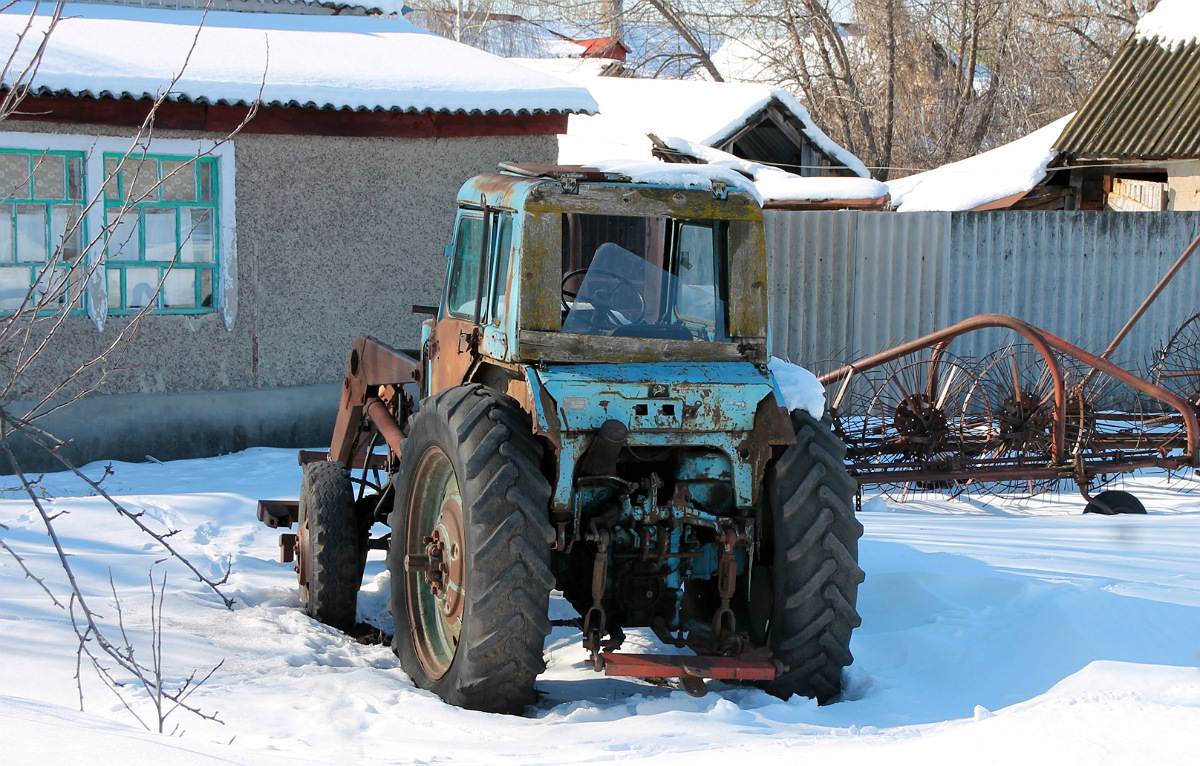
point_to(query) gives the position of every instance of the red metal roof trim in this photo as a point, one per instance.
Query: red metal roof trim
(286, 120)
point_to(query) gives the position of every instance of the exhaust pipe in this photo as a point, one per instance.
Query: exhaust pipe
(601, 456)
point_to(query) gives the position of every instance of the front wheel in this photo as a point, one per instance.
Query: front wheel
(470, 554)
(814, 565)
(328, 548)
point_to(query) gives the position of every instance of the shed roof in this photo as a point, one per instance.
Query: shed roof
(324, 62)
(1147, 105)
(699, 111)
(994, 178)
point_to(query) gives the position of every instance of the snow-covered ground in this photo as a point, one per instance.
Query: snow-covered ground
(1001, 633)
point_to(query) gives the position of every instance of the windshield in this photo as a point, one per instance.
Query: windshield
(644, 277)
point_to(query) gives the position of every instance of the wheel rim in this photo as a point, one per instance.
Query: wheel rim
(434, 543)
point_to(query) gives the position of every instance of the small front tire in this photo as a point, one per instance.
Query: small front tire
(328, 545)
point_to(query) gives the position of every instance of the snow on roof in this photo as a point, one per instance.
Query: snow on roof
(699, 111)
(1172, 23)
(688, 176)
(298, 60)
(777, 185)
(1014, 168)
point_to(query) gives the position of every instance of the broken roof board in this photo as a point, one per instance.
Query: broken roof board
(699, 111)
(330, 62)
(778, 188)
(1010, 170)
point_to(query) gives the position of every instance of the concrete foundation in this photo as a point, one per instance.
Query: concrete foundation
(194, 424)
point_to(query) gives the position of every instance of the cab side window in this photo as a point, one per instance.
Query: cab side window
(500, 287)
(462, 297)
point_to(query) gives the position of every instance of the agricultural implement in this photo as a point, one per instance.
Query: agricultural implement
(590, 409)
(1032, 415)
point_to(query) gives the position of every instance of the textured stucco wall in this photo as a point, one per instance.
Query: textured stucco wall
(1183, 185)
(337, 237)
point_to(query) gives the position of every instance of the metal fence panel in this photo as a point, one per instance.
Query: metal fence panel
(851, 283)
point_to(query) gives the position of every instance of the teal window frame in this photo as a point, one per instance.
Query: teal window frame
(74, 286)
(117, 266)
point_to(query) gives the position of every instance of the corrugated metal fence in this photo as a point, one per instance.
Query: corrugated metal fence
(846, 284)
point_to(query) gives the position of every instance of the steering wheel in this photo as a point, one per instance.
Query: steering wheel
(601, 298)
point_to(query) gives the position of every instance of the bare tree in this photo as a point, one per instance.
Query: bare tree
(905, 84)
(31, 334)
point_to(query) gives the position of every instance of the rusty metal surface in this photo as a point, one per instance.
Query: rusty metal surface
(372, 366)
(453, 348)
(921, 436)
(563, 347)
(678, 665)
(1147, 106)
(278, 513)
(374, 462)
(385, 423)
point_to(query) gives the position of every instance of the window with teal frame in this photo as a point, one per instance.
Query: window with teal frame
(41, 231)
(162, 247)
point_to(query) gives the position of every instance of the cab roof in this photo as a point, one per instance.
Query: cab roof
(510, 187)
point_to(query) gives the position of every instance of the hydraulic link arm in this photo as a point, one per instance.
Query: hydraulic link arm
(373, 389)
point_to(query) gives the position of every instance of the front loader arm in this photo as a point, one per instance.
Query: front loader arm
(373, 386)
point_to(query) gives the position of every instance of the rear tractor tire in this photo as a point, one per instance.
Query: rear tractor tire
(470, 552)
(328, 545)
(814, 567)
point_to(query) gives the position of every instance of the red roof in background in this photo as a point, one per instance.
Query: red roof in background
(603, 48)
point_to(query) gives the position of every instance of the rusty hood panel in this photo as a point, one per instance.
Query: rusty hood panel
(664, 396)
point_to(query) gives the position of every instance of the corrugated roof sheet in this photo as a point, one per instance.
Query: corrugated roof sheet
(324, 62)
(1147, 106)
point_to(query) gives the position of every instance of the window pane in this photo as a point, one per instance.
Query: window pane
(112, 185)
(697, 273)
(49, 176)
(14, 286)
(75, 178)
(114, 289)
(66, 231)
(14, 175)
(207, 181)
(206, 288)
(50, 290)
(464, 277)
(139, 179)
(74, 277)
(179, 181)
(154, 220)
(123, 235)
(179, 289)
(160, 234)
(31, 232)
(6, 233)
(141, 285)
(196, 234)
(503, 252)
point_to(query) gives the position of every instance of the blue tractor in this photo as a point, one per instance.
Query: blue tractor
(590, 410)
